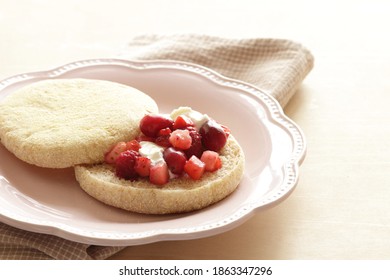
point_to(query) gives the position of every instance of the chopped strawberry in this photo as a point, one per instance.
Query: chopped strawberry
(182, 122)
(111, 156)
(142, 166)
(163, 141)
(185, 149)
(133, 145)
(159, 174)
(194, 167)
(211, 160)
(196, 147)
(164, 132)
(180, 139)
(125, 165)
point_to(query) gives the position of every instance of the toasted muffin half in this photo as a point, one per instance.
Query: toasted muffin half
(58, 123)
(177, 196)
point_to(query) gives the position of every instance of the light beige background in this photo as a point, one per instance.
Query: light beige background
(341, 206)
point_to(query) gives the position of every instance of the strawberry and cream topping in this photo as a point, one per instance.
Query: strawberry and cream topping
(151, 151)
(197, 118)
(184, 143)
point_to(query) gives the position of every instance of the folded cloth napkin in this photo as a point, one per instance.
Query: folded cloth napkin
(275, 66)
(18, 244)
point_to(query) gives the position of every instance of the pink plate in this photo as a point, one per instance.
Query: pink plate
(50, 201)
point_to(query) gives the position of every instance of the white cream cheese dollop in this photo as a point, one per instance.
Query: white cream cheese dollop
(152, 151)
(198, 118)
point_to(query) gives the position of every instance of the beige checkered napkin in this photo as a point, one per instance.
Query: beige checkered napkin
(16, 244)
(275, 66)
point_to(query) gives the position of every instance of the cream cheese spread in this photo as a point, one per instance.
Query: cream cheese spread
(198, 118)
(152, 151)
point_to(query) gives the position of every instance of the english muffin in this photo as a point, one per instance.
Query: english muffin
(59, 123)
(177, 196)
(180, 162)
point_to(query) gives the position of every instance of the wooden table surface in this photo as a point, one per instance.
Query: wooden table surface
(341, 206)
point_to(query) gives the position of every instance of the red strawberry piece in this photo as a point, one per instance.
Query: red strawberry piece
(182, 122)
(180, 139)
(211, 160)
(125, 165)
(159, 174)
(196, 147)
(162, 138)
(133, 145)
(163, 141)
(142, 166)
(112, 155)
(164, 132)
(194, 167)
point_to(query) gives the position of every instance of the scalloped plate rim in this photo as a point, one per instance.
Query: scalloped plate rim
(275, 113)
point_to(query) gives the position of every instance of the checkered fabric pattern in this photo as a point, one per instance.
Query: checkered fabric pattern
(273, 65)
(276, 66)
(18, 244)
